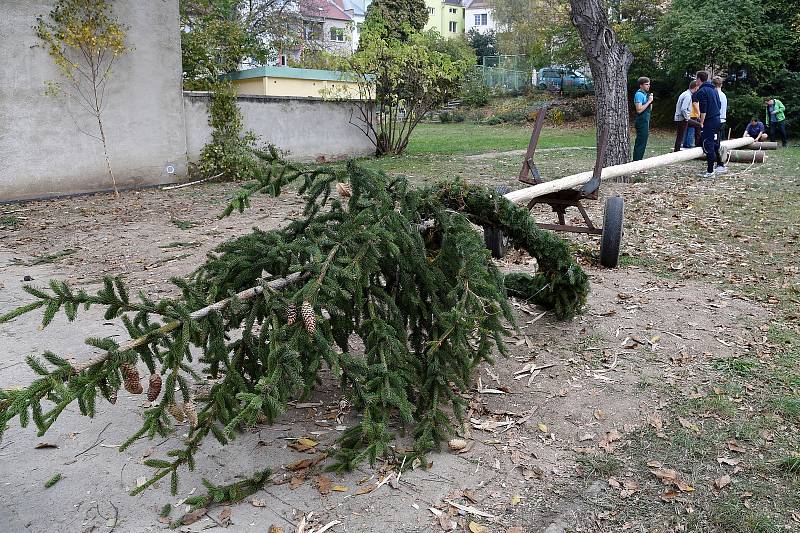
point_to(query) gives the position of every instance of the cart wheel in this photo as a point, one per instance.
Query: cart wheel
(612, 231)
(495, 241)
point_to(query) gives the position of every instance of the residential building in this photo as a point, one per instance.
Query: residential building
(297, 82)
(357, 10)
(479, 16)
(326, 26)
(446, 17)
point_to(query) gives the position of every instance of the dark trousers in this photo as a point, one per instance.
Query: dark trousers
(781, 127)
(720, 136)
(680, 131)
(710, 138)
(642, 124)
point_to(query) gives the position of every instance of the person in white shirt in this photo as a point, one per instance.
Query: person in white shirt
(683, 109)
(723, 111)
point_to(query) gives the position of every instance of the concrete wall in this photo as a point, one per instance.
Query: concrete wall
(42, 151)
(306, 128)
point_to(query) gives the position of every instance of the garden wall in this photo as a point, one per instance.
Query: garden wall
(306, 128)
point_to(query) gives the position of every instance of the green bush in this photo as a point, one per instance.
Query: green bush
(459, 117)
(474, 92)
(445, 118)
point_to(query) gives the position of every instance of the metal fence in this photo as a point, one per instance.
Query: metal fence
(504, 80)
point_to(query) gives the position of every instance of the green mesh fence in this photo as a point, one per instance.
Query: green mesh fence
(503, 79)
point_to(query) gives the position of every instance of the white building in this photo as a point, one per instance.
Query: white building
(479, 16)
(357, 10)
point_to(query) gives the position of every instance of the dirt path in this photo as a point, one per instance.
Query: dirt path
(569, 433)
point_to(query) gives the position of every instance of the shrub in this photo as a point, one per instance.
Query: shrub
(445, 118)
(459, 117)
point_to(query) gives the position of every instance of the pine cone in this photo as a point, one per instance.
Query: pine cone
(344, 190)
(191, 413)
(130, 376)
(176, 411)
(154, 387)
(309, 318)
(291, 314)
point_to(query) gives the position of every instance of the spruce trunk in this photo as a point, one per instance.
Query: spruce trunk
(609, 61)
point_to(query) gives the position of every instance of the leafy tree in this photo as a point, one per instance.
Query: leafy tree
(399, 81)
(218, 36)
(484, 44)
(541, 30)
(84, 39)
(395, 19)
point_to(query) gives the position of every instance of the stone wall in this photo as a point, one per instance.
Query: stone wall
(306, 128)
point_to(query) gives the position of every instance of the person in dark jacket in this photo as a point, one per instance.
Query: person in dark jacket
(756, 130)
(708, 100)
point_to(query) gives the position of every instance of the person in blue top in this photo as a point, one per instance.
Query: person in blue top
(643, 101)
(756, 130)
(708, 100)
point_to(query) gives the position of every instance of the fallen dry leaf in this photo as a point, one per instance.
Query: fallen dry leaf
(258, 503)
(339, 488)
(296, 481)
(728, 461)
(475, 527)
(324, 485)
(225, 515)
(44, 445)
(365, 490)
(722, 482)
(599, 414)
(655, 421)
(275, 529)
(515, 499)
(194, 516)
(303, 444)
(669, 476)
(734, 447)
(688, 424)
(542, 427)
(610, 437)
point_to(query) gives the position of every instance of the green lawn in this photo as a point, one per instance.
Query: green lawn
(470, 138)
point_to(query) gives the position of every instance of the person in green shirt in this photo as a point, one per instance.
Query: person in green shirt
(776, 118)
(643, 101)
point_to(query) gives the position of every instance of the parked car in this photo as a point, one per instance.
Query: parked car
(564, 80)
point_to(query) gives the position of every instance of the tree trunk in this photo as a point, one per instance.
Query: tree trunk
(609, 60)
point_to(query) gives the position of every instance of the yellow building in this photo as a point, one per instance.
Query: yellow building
(287, 81)
(446, 17)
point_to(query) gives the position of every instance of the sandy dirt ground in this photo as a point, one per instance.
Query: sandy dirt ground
(554, 439)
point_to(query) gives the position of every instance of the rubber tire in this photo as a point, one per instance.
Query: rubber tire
(611, 239)
(495, 241)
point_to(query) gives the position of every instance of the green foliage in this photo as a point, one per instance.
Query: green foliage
(230, 153)
(474, 91)
(219, 35)
(394, 19)
(224, 494)
(484, 44)
(402, 270)
(52, 481)
(400, 81)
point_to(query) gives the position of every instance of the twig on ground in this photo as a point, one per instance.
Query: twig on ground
(96, 442)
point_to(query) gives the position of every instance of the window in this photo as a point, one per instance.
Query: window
(312, 31)
(337, 34)
(453, 10)
(480, 19)
(431, 11)
(453, 26)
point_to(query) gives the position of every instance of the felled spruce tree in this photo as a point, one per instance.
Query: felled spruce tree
(402, 269)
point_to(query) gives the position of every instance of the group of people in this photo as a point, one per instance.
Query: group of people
(700, 119)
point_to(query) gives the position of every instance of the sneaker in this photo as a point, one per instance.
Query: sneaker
(706, 174)
(721, 169)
